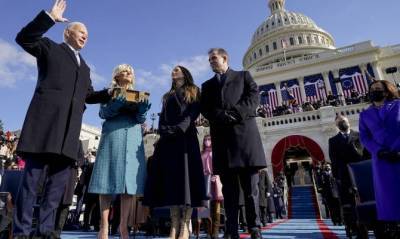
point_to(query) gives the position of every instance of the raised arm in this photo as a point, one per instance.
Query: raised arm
(31, 39)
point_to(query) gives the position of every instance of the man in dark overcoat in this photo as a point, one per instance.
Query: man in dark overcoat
(50, 135)
(345, 148)
(229, 101)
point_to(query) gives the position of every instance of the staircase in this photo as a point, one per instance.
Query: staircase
(302, 203)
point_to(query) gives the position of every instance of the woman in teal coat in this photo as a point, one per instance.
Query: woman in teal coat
(120, 166)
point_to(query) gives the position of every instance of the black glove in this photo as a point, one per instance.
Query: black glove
(388, 155)
(227, 116)
(169, 130)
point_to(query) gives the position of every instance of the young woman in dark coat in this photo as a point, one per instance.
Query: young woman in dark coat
(176, 177)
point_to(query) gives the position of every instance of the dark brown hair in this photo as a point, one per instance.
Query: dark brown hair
(220, 51)
(389, 87)
(192, 92)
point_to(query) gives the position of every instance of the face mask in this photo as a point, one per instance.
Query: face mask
(207, 143)
(376, 95)
(343, 125)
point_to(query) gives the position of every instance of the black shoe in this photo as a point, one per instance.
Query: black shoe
(230, 236)
(256, 234)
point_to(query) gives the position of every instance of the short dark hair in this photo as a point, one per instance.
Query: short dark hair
(220, 51)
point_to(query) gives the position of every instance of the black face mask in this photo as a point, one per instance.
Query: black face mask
(376, 95)
(343, 125)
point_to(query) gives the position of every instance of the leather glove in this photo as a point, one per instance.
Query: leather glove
(227, 116)
(118, 103)
(143, 106)
(169, 130)
(388, 155)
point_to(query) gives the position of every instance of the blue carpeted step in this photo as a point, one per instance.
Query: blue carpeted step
(302, 204)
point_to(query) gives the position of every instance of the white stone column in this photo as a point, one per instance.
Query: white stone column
(325, 76)
(278, 92)
(302, 89)
(377, 70)
(339, 87)
(364, 69)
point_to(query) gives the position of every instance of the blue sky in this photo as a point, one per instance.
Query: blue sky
(155, 35)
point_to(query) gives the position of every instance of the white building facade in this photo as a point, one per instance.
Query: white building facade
(290, 55)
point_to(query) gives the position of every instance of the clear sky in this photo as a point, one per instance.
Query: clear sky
(155, 35)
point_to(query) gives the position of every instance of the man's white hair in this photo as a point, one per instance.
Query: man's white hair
(69, 27)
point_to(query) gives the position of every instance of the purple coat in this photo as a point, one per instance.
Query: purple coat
(380, 128)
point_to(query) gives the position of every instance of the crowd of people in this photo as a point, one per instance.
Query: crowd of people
(9, 159)
(292, 106)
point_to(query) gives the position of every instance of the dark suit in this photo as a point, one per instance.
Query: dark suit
(50, 135)
(343, 151)
(237, 147)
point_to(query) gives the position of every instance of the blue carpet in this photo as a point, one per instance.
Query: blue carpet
(291, 229)
(301, 203)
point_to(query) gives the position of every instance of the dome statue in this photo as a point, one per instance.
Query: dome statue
(285, 35)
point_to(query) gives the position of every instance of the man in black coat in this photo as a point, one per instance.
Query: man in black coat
(50, 135)
(229, 101)
(345, 148)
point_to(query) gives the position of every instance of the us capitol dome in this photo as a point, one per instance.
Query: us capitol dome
(285, 35)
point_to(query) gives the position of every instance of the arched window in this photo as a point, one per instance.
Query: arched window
(316, 39)
(267, 48)
(260, 52)
(254, 55)
(274, 45)
(291, 40)
(300, 40)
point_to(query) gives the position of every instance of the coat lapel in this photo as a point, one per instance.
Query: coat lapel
(70, 53)
(228, 79)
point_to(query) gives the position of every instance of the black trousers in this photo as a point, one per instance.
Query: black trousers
(231, 181)
(55, 170)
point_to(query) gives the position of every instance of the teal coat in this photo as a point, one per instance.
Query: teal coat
(120, 165)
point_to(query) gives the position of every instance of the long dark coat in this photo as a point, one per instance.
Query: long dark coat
(176, 173)
(342, 152)
(263, 188)
(234, 145)
(54, 118)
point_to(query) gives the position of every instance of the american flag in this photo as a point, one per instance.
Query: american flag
(356, 82)
(290, 93)
(269, 99)
(273, 98)
(315, 91)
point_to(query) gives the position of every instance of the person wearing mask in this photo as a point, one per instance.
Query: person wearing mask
(213, 185)
(380, 133)
(176, 178)
(345, 148)
(120, 166)
(49, 140)
(330, 194)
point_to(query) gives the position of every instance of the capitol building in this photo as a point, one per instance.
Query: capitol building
(289, 52)
(291, 56)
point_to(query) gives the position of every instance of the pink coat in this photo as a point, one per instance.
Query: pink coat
(214, 183)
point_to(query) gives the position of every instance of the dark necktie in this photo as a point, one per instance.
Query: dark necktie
(221, 78)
